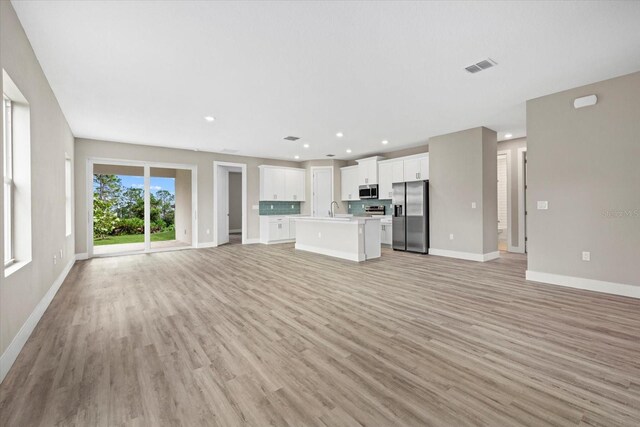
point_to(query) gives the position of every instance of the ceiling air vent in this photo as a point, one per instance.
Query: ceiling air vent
(291, 138)
(331, 155)
(482, 65)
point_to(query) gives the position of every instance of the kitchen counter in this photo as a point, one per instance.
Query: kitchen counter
(347, 237)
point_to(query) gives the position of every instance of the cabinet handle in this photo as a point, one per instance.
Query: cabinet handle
(418, 175)
(366, 180)
(275, 196)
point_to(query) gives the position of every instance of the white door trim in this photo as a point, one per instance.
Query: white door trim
(521, 202)
(147, 167)
(510, 246)
(243, 167)
(314, 168)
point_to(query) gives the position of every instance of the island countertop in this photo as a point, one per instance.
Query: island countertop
(356, 238)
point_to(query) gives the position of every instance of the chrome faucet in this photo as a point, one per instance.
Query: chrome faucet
(332, 213)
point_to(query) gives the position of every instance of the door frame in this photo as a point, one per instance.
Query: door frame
(522, 203)
(243, 167)
(314, 168)
(147, 201)
(507, 154)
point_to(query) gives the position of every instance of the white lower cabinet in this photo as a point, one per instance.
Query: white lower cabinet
(386, 234)
(277, 229)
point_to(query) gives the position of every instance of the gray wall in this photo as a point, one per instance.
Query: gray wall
(235, 201)
(512, 147)
(51, 138)
(85, 149)
(462, 170)
(585, 164)
(183, 205)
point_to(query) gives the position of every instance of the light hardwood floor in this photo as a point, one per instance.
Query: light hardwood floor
(263, 335)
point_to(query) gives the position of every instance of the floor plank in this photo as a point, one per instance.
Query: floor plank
(264, 335)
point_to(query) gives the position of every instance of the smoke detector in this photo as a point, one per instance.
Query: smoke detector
(482, 65)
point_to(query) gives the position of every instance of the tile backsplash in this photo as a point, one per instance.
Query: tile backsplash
(357, 207)
(279, 208)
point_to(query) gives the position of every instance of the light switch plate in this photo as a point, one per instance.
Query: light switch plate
(586, 256)
(450, 236)
(543, 205)
(473, 205)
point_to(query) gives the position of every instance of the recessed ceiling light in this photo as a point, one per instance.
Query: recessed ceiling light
(339, 134)
(209, 118)
(306, 145)
(507, 135)
(385, 142)
(348, 150)
(296, 157)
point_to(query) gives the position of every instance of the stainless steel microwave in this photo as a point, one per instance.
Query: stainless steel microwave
(369, 191)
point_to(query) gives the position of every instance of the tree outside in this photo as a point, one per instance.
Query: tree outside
(118, 212)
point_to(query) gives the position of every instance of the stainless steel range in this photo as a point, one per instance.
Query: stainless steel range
(375, 210)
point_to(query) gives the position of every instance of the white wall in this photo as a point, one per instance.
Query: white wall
(585, 163)
(51, 139)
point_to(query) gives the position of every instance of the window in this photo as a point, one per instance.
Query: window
(7, 172)
(67, 194)
(16, 171)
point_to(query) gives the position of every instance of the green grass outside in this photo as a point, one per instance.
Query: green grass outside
(135, 238)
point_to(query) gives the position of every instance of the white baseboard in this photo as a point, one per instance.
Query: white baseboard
(11, 353)
(206, 245)
(465, 255)
(336, 254)
(587, 284)
(251, 241)
(83, 256)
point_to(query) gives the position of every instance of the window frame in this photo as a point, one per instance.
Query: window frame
(9, 187)
(68, 174)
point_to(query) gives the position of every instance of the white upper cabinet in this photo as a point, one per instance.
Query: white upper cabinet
(294, 184)
(389, 172)
(385, 176)
(367, 173)
(349, 183)
(397, 171)
(285, 184)
(368, 170)
(416, 169)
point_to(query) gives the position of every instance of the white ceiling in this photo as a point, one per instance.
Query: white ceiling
(147, 72)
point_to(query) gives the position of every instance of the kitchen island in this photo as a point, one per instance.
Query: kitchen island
(351, 238)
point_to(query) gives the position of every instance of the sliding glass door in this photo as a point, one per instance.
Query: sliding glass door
(139, 208)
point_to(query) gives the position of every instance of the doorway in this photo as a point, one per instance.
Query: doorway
(229, 203)
(139, 207)
(322, 187)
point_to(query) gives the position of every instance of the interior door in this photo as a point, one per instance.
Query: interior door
(322, 184)
(223, 205)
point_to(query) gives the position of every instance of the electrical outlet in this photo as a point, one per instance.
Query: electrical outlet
(61, 254)
(55, 260)
(586, 256)
(450, 236)
(208, 231)
(473, 205)
(543, 205)
(319, 235)
(291, 206)
(363, 206)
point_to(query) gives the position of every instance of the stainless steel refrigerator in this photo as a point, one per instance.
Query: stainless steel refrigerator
(411, 216)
